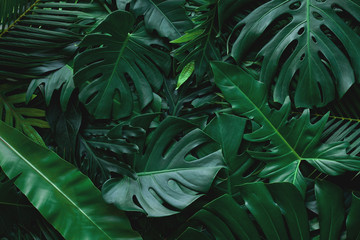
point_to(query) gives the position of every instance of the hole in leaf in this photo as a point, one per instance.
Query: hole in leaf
(295, 5)
(97, 76)
(321, 92)
(317, 16)
(314, 39)
(302, 57)
(89, 99)
(301, 31)
(321, 0)
(288, 51)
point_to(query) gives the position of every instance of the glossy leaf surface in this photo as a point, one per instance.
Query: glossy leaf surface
(319, 49)
(59, 191)
(292, 141)
(167, 172)
(113, 56)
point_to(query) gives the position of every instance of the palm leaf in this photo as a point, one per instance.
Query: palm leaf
(168, 177)
(292, 142)
(113, 59)
(43, 38)
(14, 112)
(10, 11)
(65, 197)
(315, 50)
(274, 211)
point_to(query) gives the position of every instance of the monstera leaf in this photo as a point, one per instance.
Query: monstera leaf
(113, 60)
(315, 50)
(168, 18)
(61, 79)
(292, 142)
(274, 211)
(170, 174)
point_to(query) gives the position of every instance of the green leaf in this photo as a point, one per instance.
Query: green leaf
(14, 112)
(167, 174)
(185, 74)
(353, 219)
(291, 141)
(201, 44)
(330, 203)
(168, 18)
(61, 79)
(112, 57)
(64, 196)
(43, 38)
(260, 203)
(320, 50)
(267, 204)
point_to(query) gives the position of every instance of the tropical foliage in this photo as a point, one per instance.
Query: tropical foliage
(179, 119)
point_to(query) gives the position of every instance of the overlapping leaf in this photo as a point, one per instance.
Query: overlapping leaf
(43, 39)
(59, 191)
(291, 142)
(15, 113)
(315, 50)
(277, 211)
(168, 176)
(166, 17)
(115, 58)
(61, 79)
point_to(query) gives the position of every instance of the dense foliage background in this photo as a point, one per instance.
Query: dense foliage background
(179, 119)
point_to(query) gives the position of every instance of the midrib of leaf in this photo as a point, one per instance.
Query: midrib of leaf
(19, 18)
(268, 122)
(18, 117)
(122, 49)
(165, 16)
(170, 170)
(52, 184)
(308, 35)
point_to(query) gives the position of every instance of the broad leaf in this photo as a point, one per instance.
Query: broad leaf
(167, 174)
(101, 155)
(61, 79)
(275, 211)
(115, 58)
(228, 131)
(269, 205)
(315, 49)
(291, 141)
(331, 209)
(15, 113)
(167, 17)
(64, 196)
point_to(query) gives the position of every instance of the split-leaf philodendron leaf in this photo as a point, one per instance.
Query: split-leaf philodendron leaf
(114, 56)
(318, 48)
(167, 173)
(291, 141)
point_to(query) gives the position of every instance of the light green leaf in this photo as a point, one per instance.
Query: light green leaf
(185, 74)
